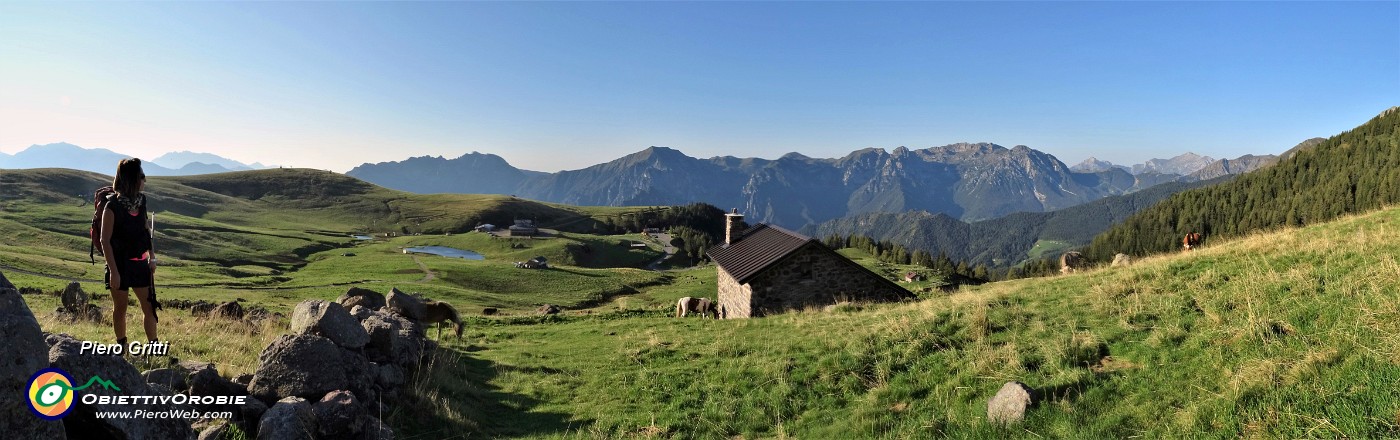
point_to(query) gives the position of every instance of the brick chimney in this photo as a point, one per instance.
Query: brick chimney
(731, 220)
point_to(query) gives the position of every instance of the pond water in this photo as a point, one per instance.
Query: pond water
(446, 252)
(361, 237)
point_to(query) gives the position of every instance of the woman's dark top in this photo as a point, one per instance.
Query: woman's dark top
(130, 238)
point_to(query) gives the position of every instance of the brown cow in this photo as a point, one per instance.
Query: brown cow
(1191, 241)
(703, 306)
(1071, 261)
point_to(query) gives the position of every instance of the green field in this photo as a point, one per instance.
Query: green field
(1294, 333)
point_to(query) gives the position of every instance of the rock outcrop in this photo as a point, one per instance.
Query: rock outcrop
(22, 355)
(65, 354)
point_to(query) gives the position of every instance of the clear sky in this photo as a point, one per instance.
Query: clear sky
(554, 86)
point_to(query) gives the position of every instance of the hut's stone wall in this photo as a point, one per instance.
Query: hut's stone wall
(811, 276)
(734, 298)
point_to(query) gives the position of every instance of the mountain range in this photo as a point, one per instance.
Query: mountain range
(104, 161)
(965, 181)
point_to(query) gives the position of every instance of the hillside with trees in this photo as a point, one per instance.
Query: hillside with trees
(1352, 172)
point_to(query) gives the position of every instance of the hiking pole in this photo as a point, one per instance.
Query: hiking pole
(155, 304)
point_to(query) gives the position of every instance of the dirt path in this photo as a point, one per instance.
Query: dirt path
(665, 240)
(428, 275)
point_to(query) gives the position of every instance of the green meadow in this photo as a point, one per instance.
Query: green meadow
(1286, 334)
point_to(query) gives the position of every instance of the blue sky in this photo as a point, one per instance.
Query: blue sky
(554, 86)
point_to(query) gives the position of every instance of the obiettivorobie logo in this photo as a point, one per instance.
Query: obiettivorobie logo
(51, 392)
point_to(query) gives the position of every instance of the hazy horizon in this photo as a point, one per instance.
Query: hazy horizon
(552, 86)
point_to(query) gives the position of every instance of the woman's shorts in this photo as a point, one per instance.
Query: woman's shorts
(135, 274)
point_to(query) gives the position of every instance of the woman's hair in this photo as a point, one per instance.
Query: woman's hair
(129, 176)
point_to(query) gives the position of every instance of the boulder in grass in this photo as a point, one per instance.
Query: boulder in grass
(202, 308)
(328, 319)
(290, 419)
(1009, 405)
(21, 355)
(547, 309)
(298, 365)
(229, 310)
(74, 297)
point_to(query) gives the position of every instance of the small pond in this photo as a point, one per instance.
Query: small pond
(361, 237)
(445, 251)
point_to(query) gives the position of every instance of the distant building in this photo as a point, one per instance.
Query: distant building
(911, 277)
(768, 270)
(523, 227)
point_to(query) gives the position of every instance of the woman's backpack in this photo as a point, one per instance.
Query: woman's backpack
(100, 200)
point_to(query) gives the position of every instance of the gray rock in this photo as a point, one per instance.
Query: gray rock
(229, 310)
(375, 429)
(290, 419)
(340, 415)
(298, 365)
(547, 309)
(1122, 260)
(361, 297)
(208, 382)
(217, 431)
(404, 305)
(1009, 405)
(328, 319)
(243, 379)
(202, 308)
(394, 340)
(249, 414)
(390, 376)
(360, 313)
(174, 378)
(74, 298)
(22, 354)
(64, 353)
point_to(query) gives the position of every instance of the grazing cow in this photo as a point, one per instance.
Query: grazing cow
(1191, 241)
(685, 306)
(1071, 261)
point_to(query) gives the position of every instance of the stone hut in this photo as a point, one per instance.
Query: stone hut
(768, 270)
(523, 227)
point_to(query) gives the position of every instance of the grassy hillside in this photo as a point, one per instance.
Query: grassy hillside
(1288, 334)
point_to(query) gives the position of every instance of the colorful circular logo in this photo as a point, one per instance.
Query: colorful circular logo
(50, 394)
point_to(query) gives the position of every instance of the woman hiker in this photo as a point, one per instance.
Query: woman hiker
(126, 244)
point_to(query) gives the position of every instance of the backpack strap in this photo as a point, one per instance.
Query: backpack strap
(100, 205)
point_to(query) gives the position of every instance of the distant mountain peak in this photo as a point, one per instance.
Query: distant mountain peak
(1094, 165)
(180, 159)
(1182, 164)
